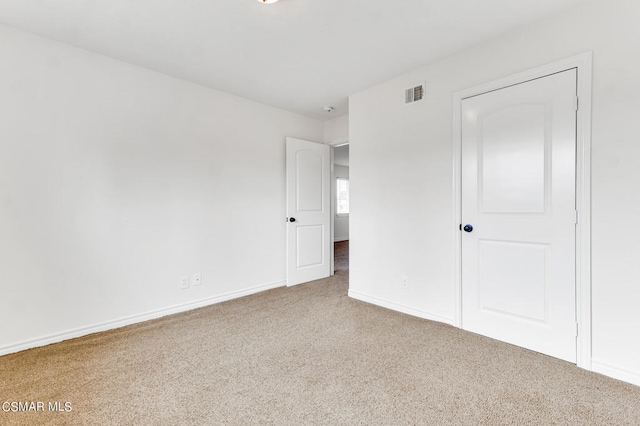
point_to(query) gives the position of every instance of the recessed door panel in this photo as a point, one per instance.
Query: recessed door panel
(512, 279)
(518, 194)
(309, 181)
(512, 150)
(309, 240)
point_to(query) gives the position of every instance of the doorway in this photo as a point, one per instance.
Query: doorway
(518, 213)
(341, 208)
(522, 269)
(308, 210)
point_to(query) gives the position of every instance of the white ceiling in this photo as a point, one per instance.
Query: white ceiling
(295, 54)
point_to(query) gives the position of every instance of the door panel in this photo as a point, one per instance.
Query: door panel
(512, 279)
(309, 181)
(513, 175)
(310, 245)
(518, 192)
(308, 204)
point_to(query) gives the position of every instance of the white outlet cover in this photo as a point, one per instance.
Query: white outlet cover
(184, 282)
(405, 282)
(197, 278)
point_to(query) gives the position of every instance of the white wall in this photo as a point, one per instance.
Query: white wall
(402, 226)
(341, 223)
(115, 181)
(336, 130)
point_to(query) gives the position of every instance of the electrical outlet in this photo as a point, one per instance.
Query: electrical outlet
(197, 278)
(184, 282)
(404, 282)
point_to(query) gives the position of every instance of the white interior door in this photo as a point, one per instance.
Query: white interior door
(308, 211)
(518, 195)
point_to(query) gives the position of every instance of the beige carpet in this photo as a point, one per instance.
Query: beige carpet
(306, 355)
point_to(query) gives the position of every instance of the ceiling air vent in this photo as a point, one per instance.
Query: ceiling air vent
(414, 94)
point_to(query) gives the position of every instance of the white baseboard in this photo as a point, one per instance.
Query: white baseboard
(338, 239)
(399, 307)
(615, 372)
(133, 319)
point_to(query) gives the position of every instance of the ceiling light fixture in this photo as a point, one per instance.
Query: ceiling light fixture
(327, 109)
(267, 1)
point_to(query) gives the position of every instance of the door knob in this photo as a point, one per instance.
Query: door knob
(468, 228)
(292, 219)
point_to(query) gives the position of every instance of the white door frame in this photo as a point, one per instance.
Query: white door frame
(583, 63)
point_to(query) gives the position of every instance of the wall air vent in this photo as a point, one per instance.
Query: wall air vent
(414, 94)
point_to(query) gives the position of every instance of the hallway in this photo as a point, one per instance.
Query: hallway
(341, 257)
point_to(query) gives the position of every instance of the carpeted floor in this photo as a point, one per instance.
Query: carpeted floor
(306, 355)
(341, 257)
